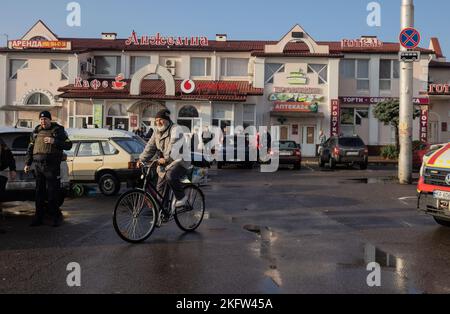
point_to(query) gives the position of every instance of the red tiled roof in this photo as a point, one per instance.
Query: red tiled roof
(255, 46)
(155, 89)
(439, 64)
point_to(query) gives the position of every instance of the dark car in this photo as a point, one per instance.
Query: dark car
(237, 150)
(289, 154)
(348, 150)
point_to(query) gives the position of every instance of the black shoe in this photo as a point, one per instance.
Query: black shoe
(36, 223)
(58, 221)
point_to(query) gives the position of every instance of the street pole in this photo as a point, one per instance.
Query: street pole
(406, 102)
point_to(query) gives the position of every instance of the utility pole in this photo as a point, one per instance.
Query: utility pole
(406, 102)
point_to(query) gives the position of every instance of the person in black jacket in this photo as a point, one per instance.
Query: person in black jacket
(6, 161)
(47, 144)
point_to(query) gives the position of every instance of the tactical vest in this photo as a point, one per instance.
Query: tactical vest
(40, 147)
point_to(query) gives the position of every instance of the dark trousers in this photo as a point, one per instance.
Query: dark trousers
(48, 183)
(173, 179)
(3, 181)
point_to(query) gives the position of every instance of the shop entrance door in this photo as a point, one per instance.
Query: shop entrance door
(284, 133)
(309, 141)
(433, 132)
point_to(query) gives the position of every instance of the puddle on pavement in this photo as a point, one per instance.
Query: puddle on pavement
(388, 263)
(263, 249)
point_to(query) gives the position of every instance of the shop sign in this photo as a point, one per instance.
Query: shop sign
(297, 78)
(216, 87)
(187, 86)
(98, 115)
(38, 44)
(293, 97)
(376, 100)
(133, 121)
(280, 106)
(424, 124)
(117, 84)
(362, 43)
(440, 89)
(159, 40)
(335, 117)
(298, 90)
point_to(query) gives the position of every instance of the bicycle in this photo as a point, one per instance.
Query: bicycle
(139, 211)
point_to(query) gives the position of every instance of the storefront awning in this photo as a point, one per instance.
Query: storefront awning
(28, 108)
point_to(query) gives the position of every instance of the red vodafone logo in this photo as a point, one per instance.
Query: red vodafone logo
(187, 86)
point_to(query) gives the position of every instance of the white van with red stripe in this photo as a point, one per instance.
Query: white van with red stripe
(434, 184)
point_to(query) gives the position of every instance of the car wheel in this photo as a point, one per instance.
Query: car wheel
(442, 222)
(219, 165)
(297, 166)
(109, 185)
(363, 166)
(332, 163)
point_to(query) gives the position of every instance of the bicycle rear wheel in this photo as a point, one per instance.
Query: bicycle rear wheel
(135, 216)
(191, 216)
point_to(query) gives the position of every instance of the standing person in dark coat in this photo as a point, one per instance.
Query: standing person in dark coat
(6, 161)
(47, 144)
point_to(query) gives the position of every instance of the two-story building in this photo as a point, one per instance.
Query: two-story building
(302, 85)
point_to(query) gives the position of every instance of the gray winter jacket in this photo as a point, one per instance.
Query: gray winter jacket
(163, 143)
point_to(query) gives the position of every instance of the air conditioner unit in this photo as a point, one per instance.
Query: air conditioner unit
(171, 63)
(172, 71)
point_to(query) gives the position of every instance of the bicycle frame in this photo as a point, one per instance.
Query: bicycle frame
(167, 199)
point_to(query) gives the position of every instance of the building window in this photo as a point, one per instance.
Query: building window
(137, 63)
(188, 116)
(38, 99)
(321, 70)
(234, 67)
(389, 70)
(249, 116)
(149, 114)
(356, 69)
(117, 117)
(223, 118)
(200, 66)
(15, 66)
(61, 65)
(348, 69)
(108, 65)
(270, 69)
(354, 116)
(362, 74)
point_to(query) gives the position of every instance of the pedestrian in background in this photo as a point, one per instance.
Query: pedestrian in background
(45, 151)
(6, 161)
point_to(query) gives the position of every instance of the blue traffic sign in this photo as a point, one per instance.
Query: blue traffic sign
(410, 38)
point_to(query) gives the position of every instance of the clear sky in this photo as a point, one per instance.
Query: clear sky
(240, 19)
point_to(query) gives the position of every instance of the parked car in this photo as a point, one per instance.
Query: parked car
(105, 157)
(348, 150)
(24, 186)
(289, 153)
(434, 184)
(236, 149)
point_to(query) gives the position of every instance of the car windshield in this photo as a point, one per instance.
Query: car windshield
(288, 145)
(351, 141)
(131, 146)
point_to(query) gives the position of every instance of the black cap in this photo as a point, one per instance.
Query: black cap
(45, 114)
(163, 114)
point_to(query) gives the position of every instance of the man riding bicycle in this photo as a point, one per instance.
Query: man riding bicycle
(170, 171)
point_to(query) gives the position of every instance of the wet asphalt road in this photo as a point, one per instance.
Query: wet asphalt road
(289, 232)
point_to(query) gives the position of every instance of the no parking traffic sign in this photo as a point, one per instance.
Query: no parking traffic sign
(410, 38)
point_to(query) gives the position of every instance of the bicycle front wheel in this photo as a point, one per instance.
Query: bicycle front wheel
(191, 216)
(135, 216)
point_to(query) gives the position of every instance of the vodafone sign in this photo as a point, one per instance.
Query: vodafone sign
(188, 86)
